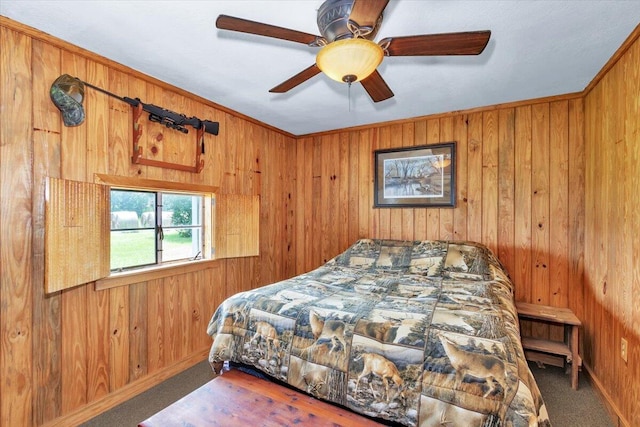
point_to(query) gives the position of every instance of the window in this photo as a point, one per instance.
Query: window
(154, 228)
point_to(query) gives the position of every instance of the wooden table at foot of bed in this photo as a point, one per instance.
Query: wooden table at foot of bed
(239, 399)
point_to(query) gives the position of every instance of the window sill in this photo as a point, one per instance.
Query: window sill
(153, 273)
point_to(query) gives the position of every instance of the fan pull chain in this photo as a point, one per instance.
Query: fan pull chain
(349, 96)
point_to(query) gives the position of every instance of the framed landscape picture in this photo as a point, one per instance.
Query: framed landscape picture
(413, 177)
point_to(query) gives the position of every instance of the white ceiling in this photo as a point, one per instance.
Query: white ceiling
(537, 48)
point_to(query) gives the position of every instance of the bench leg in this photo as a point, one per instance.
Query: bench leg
(575, 362)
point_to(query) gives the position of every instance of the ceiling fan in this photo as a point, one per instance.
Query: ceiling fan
(348, 53)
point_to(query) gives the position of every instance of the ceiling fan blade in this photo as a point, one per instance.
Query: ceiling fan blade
(225, 22)
(465, 43)
(366, 12)
(376, 87)
(294, 81)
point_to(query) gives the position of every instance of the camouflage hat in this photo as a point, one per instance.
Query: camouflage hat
(67, 93)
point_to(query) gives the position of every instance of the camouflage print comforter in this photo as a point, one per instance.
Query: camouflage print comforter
(420, 333)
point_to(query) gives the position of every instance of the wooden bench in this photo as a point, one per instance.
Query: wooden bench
(236, 398)
(554, 315)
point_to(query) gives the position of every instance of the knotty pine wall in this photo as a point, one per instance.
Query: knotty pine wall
(72, 354)
(612, 230)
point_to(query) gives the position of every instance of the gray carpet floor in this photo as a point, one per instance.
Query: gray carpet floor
(567, 407)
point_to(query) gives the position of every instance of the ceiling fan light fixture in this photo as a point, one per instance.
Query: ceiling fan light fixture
(349, 60)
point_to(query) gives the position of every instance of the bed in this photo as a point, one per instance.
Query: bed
(415, 333)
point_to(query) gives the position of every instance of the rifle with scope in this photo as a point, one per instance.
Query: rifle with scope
(165, 117)
(171, 119)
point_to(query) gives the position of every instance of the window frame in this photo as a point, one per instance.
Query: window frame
(158, 271)
(158, 227)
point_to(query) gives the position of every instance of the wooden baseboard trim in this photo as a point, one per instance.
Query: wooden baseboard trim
(613, 410)
(85, 413)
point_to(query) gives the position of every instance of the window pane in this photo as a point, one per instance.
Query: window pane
(132, 248)
(128, 206)
(181, 209)
(181, 243)
(181, 224)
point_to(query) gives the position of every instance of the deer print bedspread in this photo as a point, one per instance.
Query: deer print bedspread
(420, 333)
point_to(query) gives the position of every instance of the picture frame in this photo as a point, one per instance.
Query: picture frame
(416, 177)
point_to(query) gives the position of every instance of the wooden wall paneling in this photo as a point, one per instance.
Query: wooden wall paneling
(616, 184)
(316, 203)
(408, 140)
(192, 146)
(151, 139)
(156, 341)
(353, 200)
(246, 160)
(119, 328)
(178, 147)
(138, 353)
(74, 152)
(576, 206)
(611, 209)
(364, 188)
(234, 283)
(540, 209)
(97, 303)
(587, 290)
(16, 128)
(183, 339)
(343, 179)
(593, 224)
(120, 126)
(282, 221)
(74, 328)
(474, 176)
(506, 187)
(213, 144)
(98, 343)
(46, 162)
(382, 218)
(460, 135)
(268, 210)
(420, 214)
(230, 162)
(172, 326)
(606, 153)
(304, 191)
(446, 214)
(215, 152)
(97, 121)
(288, 196)
(630, 109)
(301, 187)
(368, 142)
(632, 136)
(396, 215)
(200, 312)
(329, 209)
(558, 208)
(521, 273)
(490, 128)
(433, 214)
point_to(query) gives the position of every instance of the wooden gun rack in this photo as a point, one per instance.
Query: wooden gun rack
(138, 159)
